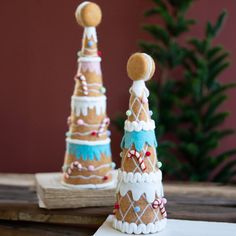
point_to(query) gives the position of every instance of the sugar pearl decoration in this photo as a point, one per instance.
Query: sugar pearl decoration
(148, 153)
(128, 112)
(91, 168)
(105, 177)
(164, 200)
(159, 164)
(137, 209)
(108, 133)
(103, 90)
(80, 122)
(90, 43)
(113, 165)
(150, 113)
(116, 206)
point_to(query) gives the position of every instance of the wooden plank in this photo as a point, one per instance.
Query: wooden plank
(53, 195)
(9, 228)
(203, 202)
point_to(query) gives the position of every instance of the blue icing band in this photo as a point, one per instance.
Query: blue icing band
(88, 152)
(139, 139)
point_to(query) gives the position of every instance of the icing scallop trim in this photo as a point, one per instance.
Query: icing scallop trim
(138, 126)
(151, 191)
(129, 177)
(132, 228)
(82, 104)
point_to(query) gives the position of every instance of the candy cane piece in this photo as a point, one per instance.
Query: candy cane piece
(83, 83)
(103, 125)
(73, 165)
(160, 203)
(134, 153)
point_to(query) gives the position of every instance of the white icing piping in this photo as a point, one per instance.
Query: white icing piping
(90, 176)
(90, 32)
(85, 133)
(149, 67)
(132, 228)
(138, 189)
(82, 104)
(85, 142)
(129, 177)
(88, 58)
(138, 126)
(95, 169)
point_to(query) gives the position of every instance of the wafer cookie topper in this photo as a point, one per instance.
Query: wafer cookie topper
(140, 68)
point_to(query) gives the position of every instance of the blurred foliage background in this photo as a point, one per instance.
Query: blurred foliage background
(186, 104)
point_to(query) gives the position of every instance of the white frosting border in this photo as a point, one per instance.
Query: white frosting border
(138, 126)
(89, 186)
(151, 190)
(132, 228)
(86, 142)
(82, 104)
(129, 177)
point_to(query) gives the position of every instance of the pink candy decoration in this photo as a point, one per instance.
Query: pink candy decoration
(91, 168)
(160, 203)
(80, 122)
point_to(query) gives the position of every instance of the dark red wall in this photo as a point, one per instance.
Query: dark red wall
(39, 40)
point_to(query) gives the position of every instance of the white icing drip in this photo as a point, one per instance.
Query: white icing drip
(138, 189)
(91, 67)
(82, 104)
(149, 66)
(85, 142)
(88, 58)
(139, 88)
(129, 177)
(133, 228)
(90, 32)
(138, 126)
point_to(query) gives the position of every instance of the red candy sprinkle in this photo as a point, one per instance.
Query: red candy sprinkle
(105, 177)
(116, 206)
(148, 153)
(94, 133)
(99, 53)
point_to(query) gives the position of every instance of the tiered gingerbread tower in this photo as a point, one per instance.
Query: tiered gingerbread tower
(140, 203)
(88, 160)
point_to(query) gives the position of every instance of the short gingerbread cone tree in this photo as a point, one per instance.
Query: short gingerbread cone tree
(88, 161)
(140, 203)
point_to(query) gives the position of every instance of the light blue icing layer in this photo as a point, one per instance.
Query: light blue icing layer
(139, 139)
(88, 152)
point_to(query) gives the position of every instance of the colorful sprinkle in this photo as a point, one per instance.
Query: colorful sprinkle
(137, 209)
(113, 165)
(91, 168)
(150, 113)
(80, 122)
(159, 164)
(128, 112)
(94, 133)
(148, 153)
(105, 177)
(103, 90)
(90, 43)
(116, 206)
(108, 133)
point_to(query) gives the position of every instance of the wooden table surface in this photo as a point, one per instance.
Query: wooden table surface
(20, 214)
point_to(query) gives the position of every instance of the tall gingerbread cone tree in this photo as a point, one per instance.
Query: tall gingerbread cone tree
(140, 204)
(88, 160)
